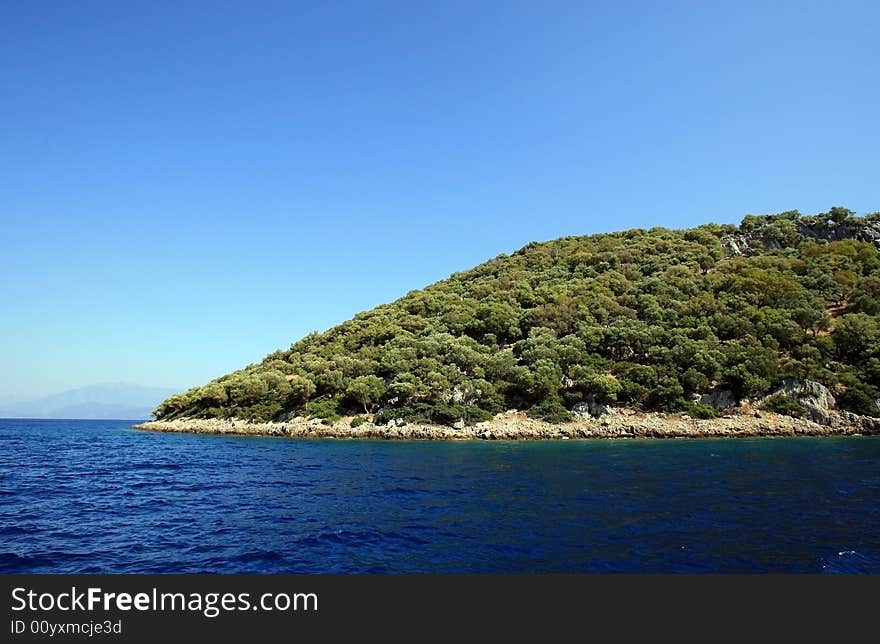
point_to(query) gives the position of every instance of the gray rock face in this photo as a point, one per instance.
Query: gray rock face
(736, 245)
(740, 244)
(816, 397)
(459, 424)
(871, 233)
(581, 411)
(720, 399)
(589, 408)
(867, 231)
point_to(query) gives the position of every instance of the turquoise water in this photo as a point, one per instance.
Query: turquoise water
(97, 496)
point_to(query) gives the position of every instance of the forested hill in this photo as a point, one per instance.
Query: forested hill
(650, 319)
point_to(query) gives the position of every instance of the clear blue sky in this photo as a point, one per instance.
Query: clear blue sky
(187, 186)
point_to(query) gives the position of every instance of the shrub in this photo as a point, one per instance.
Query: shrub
(357, 421)
(323, 408)
(690, 407)
(438, 414)
(700, 410)
(782, 404)
(859, 401)
(451, 414)
(550, 410)
(412, 413)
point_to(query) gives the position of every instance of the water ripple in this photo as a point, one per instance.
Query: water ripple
(94, 496)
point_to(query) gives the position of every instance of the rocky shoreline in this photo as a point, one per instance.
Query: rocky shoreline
(514, 425)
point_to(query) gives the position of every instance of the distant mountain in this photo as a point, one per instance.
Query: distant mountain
(102, 401)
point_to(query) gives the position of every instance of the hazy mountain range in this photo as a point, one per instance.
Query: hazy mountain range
(100, 401)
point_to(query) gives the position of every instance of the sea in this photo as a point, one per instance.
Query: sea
(86, 496)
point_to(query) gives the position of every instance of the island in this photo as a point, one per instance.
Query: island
(771, 327)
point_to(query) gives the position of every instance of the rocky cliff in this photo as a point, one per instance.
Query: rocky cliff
(765, 236)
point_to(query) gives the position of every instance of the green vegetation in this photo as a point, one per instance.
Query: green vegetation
(782, 404)
(699, 410)
(645, 318)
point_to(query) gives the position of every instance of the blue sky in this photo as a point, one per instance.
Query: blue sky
(187, 186)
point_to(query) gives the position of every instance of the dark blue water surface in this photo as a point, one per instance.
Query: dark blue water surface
(97, 496)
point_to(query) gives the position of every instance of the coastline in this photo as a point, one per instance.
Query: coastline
(516, 426)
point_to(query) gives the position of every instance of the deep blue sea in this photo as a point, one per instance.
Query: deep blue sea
(99, 497)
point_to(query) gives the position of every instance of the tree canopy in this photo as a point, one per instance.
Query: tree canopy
(644, 318)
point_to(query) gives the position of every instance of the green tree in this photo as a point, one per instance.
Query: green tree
(856, 336)
(366, 390)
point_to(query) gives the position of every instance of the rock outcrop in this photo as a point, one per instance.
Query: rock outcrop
(750, 243)
(589, 408)
(720, 399)
(514, 425)
(815, 398)
(819, 230)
